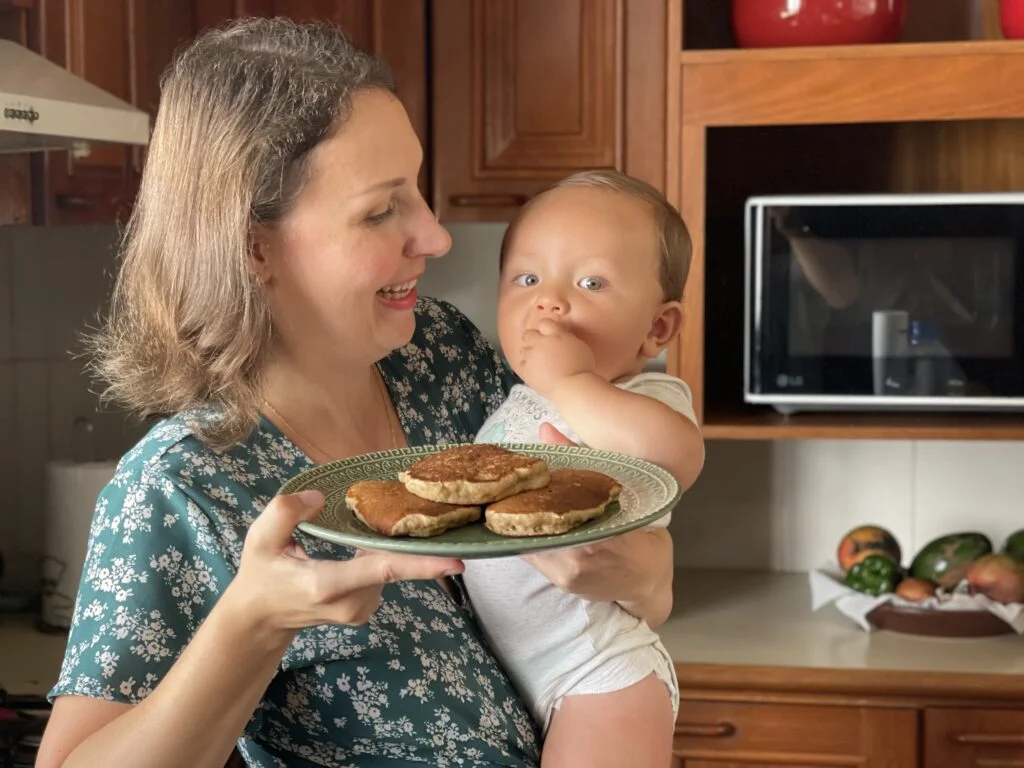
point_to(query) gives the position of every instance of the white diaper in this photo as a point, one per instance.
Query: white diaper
(615, 674)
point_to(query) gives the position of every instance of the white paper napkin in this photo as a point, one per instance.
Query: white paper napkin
(827, 587)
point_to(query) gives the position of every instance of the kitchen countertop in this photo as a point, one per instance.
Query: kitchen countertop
(746, 629)
(29, 659)
(728, 629)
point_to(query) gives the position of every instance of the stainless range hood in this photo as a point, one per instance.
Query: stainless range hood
(43, 106)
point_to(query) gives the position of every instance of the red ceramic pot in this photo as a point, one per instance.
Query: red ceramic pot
(1011, 19)
(780, 23)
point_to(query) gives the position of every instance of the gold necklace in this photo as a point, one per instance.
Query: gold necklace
(385, 402)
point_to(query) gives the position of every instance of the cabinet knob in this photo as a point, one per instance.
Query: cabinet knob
(990, 739)
(488, 201)
(705, 730)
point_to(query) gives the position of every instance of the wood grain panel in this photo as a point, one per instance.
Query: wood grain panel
(936, 81)
(974, 738)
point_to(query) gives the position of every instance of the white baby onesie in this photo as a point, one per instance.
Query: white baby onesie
(553, 643)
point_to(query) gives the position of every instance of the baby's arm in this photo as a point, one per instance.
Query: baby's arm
(610, 418)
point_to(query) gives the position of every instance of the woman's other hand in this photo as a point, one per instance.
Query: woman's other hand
(633, 570)
(284, 590)
(550, 434)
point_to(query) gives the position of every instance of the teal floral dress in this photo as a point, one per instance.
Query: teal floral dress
(417, 686)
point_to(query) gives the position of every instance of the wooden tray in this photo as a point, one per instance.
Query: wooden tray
(918, 621)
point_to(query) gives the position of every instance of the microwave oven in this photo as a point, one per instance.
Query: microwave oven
(885, 302)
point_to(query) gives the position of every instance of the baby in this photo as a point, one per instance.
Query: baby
(592, 274)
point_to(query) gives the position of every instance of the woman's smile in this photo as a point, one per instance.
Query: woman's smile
(400, 296)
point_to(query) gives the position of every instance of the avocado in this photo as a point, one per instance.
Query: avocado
(947, 559)
(1014, 546)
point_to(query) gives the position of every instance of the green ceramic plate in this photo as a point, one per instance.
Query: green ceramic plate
(648, 493)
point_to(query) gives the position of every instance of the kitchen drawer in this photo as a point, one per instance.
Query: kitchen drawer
(966, 738)
(716, 734)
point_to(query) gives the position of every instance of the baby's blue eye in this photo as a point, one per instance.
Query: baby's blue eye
(591, 283)
(527, 280)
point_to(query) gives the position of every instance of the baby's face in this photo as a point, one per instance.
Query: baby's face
(588, 259)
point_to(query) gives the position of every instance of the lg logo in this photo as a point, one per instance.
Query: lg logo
(29, 115)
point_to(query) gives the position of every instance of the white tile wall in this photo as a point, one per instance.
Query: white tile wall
(6, 306)
(28, 452)
(53, 282)
(9, 523)
(965, 485)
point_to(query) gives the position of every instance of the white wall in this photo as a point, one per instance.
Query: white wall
(52, 284)
(784, 505)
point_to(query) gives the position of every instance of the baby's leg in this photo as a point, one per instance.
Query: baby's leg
(631, 727)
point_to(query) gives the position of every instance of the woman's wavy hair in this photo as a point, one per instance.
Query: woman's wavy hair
(241, 108)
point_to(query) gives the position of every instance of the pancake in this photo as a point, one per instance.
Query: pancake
(474, 474)
(385, 506)
(571, 498)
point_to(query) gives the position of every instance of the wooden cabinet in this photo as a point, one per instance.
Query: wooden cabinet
(523, 91)
(528, 91)
(122, 46)
(15, 173)
(928, 116)
(716, 734)
(973, 738)
(394, 30)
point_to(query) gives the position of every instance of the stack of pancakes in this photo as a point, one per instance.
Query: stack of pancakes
(517, 495)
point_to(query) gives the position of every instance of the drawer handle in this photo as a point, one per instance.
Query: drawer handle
(71, 202)
(990, 739)
(706, 730)
(488, 201)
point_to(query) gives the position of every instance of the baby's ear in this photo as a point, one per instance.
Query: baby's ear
(664, 328)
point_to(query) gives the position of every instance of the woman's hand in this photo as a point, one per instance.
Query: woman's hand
(633, 570)
(284, 590)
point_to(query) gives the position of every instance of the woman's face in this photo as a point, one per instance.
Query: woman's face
(341, 268)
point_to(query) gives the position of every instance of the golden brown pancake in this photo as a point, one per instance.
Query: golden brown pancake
(474, 474)
(386, 507)
(572, 497)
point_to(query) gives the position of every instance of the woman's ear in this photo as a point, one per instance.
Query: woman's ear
(665, 327)
(259, 252)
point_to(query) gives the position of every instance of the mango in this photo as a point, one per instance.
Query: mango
(867, 540)
(946, 560)
(915, 590)
(1014, 546)
(998, 577)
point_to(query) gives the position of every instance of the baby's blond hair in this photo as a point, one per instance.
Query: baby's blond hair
(674, 245)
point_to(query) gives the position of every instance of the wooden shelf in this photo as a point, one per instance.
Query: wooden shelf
(766, 424)
(900, 82)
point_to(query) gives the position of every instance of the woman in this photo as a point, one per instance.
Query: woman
(267, 301)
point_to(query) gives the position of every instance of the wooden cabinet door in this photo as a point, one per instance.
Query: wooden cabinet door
(969, 738)
(528, 91)
(122, 46)
(712, 734)
(88, 38)
(393, 30)
(15, 173)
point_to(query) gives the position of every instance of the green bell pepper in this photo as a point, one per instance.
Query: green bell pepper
(874, 575)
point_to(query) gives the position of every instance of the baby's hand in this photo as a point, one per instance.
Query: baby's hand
(551, 354)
